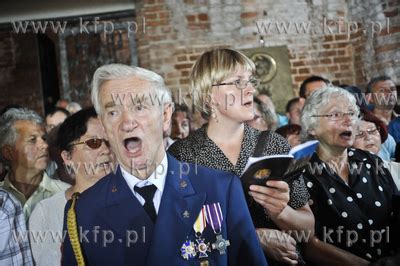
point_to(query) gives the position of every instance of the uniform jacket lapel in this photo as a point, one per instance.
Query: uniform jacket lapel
(180, 206)
(121, 203)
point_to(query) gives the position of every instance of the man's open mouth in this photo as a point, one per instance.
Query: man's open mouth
(133, 144)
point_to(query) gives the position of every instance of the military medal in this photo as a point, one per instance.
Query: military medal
(188, 250)
(199, 226)
(220, 244)
(215, 218)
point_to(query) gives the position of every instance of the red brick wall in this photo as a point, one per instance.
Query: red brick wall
(332, 58)
(174, 38)
(176, 35)
(177, 32)
(377, 53)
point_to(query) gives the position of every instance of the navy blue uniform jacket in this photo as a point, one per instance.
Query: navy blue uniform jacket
(115, 229)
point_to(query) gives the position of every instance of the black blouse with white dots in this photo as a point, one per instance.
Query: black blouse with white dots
(356, 216)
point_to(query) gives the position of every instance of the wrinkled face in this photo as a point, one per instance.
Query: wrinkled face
(54, 120)
(180, 125)
(294, 139)
(232, 103)
(91, 163)
(267, 101)
(295, 112)
(134, 123)
(384, 95)
(258, 122)
(30, 150)
(313, 86)
(367, 137)
(337, 134)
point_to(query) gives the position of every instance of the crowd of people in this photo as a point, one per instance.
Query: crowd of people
(143, 182)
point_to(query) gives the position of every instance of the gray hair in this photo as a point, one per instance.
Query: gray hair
(8, 133)
(318, 100)
(73, 107)
(117, 71)
(268, 115)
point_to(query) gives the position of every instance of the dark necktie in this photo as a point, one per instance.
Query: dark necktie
(147, 193)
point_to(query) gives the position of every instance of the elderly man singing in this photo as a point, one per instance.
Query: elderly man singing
(154, 210)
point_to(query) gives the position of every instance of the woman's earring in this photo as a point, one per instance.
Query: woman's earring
(213, 114)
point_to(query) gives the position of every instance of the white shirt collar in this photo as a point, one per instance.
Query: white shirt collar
(157, 178)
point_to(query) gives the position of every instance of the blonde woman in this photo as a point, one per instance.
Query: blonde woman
(222, 86)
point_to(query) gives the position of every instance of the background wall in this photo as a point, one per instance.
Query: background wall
(176, 32)
(186, 28)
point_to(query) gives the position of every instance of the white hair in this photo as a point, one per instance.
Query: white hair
(117, 71)
(317, 101)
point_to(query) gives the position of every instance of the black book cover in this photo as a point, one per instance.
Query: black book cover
(278, 167)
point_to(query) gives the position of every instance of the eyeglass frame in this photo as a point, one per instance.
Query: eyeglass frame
(236, 83)
(342, 115)
(370, 132)
(85, 142)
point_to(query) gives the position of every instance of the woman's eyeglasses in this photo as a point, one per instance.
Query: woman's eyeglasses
(335, 116)
(94, 143)
(362, 134)
(241, 84)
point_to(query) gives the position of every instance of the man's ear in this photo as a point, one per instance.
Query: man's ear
(288, 115)
(7, 152)
(167, 115)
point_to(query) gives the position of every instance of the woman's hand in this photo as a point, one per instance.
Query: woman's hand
(273, 198)
(278, 245)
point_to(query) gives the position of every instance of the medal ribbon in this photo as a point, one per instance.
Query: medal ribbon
(200, 223)
(214, 216)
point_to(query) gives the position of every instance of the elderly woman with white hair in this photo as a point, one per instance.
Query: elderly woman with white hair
(351, 195)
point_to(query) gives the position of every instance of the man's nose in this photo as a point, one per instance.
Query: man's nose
(128, 121)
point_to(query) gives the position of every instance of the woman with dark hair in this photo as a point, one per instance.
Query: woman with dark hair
(180, 122)
(291, 133)
(88, 158)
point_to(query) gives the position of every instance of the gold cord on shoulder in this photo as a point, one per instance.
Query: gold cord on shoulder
(72, 228)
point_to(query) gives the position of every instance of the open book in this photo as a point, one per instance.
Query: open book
(278, 167)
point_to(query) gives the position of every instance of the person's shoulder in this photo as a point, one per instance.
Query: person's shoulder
(56, 185)
(179, 145)
(211, 173)
(49, 206)
(99, 189)
(214, 181)
(183, 148)
(390, 140)
(275, 144)
(396, 121)
(8, 202)
(363, 155)
(93, 197)
(57, 197)
(197, 172)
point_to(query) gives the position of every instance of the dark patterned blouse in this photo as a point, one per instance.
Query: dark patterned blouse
(354, 216)
(198, 148)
